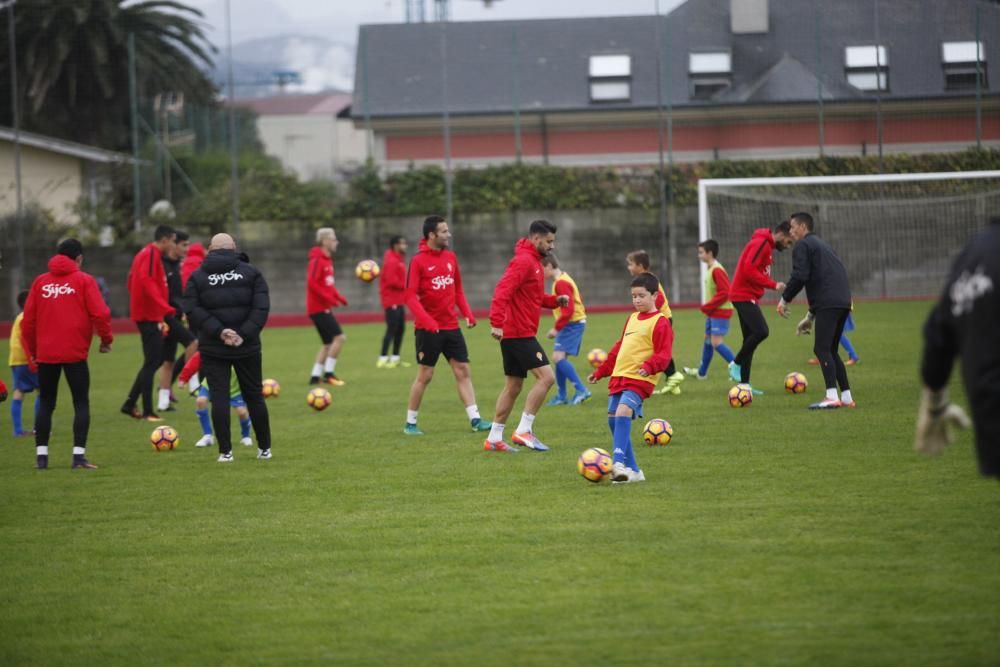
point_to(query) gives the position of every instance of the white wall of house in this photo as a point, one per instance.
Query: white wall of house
(50, 180)
(312, 145)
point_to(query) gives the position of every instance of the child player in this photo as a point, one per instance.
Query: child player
(638, 263)
(24, 380)
(717, 309)
(571, 320)
(191, 369)
(635, 364)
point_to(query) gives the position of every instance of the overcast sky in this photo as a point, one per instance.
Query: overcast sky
(338, 20)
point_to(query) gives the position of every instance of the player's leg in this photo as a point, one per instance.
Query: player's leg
(852, 354)
(428, 347)
(250, 377)
(322, 323)
(399, 315)
(217, 374)
(383, 359)
(626, 468)
(317, 369)
(569, 341)
(457, 354)
(201, 409)
(504, 406)
(48, 391)
(841, 370)
(78, 379)
(152, 355)
(240, 406)
(672, 377)
(558, 357)
(531, 357)
(827, 339)
(16, 398)
(755, 332)
(170, 344)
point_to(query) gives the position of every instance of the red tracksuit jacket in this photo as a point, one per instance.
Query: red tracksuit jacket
(520, 294)
(434, 288)
(753, 270)
(147, 287)
(321, 290)
(392, 282)
(64, 308)
(195, 256)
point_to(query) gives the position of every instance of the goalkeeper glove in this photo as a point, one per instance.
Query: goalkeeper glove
(805, 326)
(936, 422)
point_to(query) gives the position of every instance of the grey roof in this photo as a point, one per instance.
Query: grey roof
(534, 65)
(63, 147)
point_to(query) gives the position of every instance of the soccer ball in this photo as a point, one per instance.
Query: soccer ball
(367, 270)
(270, 388)
(796, 383)
(657, 432)
(164, 438)
(594, 464)
(319, 399)
(740, 396)
(596, 357)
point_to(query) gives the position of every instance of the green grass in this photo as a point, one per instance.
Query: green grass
(769, 535)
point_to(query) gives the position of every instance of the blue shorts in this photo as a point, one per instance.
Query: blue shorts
(569, 338)
(629, 398)
(234, 401)
(24, 379)
(849, 324)
(716, 326)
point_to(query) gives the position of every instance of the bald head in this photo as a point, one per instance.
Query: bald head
(222, 242)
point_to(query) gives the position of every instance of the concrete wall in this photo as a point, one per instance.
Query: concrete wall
(312, 145)
(50, 180)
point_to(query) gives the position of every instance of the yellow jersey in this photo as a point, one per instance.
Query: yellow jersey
(17, 355)
(637, 347)
(579, 312)
(665, 307)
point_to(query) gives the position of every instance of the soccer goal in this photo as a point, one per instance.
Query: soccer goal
(897, 233)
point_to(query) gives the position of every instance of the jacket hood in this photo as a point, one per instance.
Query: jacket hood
(317, 253)
(423, 247)
(220, 261)
(525, 246)
(196, 250)
(61, 265)
(763, 233)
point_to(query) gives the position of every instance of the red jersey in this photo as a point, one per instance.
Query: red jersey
(753, 270)
(321, 288)
(520, 294)
(64, 308)
(147, 287)
(195, 256)
(663, 345)
(392, 281)
(434, 288)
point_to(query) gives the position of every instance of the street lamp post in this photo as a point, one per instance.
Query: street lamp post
(16, 114)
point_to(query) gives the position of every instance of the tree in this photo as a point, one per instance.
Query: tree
(73, 63)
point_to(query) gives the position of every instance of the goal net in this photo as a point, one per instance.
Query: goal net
(897, 234)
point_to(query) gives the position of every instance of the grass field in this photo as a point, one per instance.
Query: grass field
(769, 535)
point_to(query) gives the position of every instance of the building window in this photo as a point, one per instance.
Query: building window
(709, 72)
(867, 67)
(961, 61)
(610, 78)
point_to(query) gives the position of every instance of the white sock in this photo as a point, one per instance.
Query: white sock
(411, 416)
(472, 411)
(42, 451)
(394, 358)
(164, 402)
(317, 370)
(193, 383)
(526, 423)
(331, 363)
(79, 451)
(382, 359)
(845, 396)
(496, 433)
(831, 394)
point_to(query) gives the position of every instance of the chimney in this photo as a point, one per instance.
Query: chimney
(748, 16)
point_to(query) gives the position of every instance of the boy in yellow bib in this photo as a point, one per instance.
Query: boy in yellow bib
(635, 364)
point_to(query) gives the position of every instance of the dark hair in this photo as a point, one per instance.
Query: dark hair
(710, 245)
(803, 218)
(783, 227)
(431, 223)
(550, 260)
(72, 248)
(162, 232)
(22, 298)
(647, 280)
(639, 257)
(394, 240)
(181, 235)
(541, 227)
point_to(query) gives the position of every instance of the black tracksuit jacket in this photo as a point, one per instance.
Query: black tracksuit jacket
(817, 268)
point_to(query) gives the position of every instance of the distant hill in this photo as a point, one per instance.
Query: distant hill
(321, 64)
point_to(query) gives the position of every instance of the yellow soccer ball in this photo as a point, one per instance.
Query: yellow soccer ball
(657, 432)
(367, 270)
(594, 464)
(596, 357)
(164, 438)
(318, 399)
(740, 396)
(796, 383)
(270, 388)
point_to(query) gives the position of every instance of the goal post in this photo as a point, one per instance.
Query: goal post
(896, 233)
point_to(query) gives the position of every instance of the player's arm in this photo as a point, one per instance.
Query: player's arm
(99, 312)
(460, 300)
(151, 283)
(754, 266)
(608, 367)
(192, 366)
(801, 271)
(565, 311)
(260, 307)
(422, 320)
(663, 346)
(721, 281)
(504, 291)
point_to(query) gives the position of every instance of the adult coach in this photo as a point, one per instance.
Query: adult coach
(964, 323)
(392, 291)
(149, 306)
(752, 277)
(816, 267)
(63, 310)
(434, 289)
(227, 301)
(514, 316)
(322, 297)
(177, 332)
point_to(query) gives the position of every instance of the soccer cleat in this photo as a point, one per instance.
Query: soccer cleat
(24, 434)
(619, 473)
(530, 441)
(225, 457)
(627, 476)
(334, 380)
(693, 372)
(169, 408)
(264, 454)
(382, 363)
(83, 463)
(813, 361)
(580, 397)
(498, 447)
(852, 362)
(826, 404)
(131, 411)
(479, 425)
(557, 400)
(152, 417)
(314, 380)
(246, 442)
(42, 461)
(756, 392)
(674, 381)
(205, 441)
(735, 372)
(173, 399)
(676, 391)
(851, 404)
(412, 429)
(403, 364)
